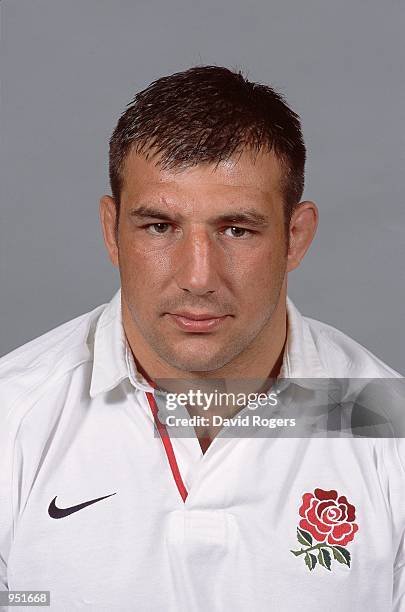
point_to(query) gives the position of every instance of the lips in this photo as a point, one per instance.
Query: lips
(197, 322)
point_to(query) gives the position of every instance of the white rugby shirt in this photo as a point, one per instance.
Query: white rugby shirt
(179, 530)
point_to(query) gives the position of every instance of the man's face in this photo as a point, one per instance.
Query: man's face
(202, 255)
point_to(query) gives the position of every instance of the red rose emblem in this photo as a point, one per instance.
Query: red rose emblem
(328, 517)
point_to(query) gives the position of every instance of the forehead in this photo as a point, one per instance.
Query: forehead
(256, 177)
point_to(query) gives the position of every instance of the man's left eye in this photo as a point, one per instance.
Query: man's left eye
(158, 228)
(236, 232)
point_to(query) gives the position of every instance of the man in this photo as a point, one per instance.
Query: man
(205, 222)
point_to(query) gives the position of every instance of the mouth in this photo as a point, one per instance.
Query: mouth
(197, 322)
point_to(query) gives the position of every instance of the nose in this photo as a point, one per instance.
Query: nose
(197, 263)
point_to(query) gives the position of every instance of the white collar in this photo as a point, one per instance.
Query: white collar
(113, 360)
(301, 357)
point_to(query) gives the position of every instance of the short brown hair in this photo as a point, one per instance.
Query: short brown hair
(207, 114)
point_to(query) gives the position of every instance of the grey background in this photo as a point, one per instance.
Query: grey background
(70, 67)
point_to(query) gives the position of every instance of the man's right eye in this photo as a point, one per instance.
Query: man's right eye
(158, 228)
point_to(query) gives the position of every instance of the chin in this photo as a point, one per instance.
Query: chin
(197, 365)
(200, 361)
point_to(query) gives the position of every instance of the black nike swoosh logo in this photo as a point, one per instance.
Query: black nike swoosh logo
(57, 513)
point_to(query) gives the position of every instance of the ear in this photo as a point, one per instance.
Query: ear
(108, 218)
(303, 224)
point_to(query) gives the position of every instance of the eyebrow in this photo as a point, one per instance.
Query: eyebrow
(250, 216)
(149, 212)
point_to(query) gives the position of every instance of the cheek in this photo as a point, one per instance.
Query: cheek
(261, 271)
(143, 267)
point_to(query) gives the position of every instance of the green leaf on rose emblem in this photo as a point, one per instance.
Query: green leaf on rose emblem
(310, 561)
(324, 558)
(304, 537)
(341, 554)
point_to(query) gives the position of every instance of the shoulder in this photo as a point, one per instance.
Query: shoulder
(35, 380)
(45, 358)
(345, 357)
